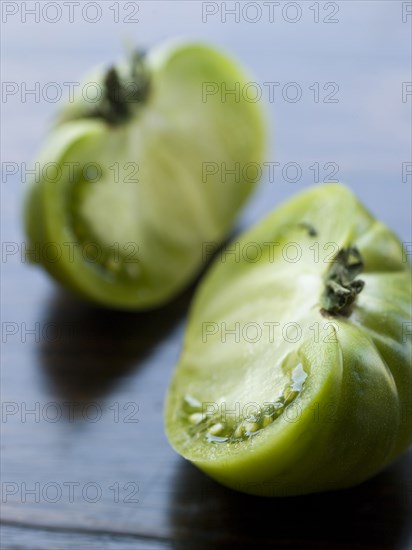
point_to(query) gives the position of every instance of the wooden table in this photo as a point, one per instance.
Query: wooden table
(90, 466)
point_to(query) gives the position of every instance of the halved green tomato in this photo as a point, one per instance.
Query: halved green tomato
(135, 184)
(295, 375)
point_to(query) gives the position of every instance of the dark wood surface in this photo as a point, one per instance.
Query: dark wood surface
(84, 361)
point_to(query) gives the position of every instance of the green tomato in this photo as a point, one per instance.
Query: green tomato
(135, 183)
(295, 375)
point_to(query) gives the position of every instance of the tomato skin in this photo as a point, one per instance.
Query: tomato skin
(352, 417)
(162, 209)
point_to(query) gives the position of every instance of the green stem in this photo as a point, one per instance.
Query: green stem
(341, 285)
(122, 93)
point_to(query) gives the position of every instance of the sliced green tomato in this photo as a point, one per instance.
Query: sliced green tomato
(140, 196)
(275, 394)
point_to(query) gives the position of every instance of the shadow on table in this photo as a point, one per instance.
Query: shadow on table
(375, 514)
(87, 349)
